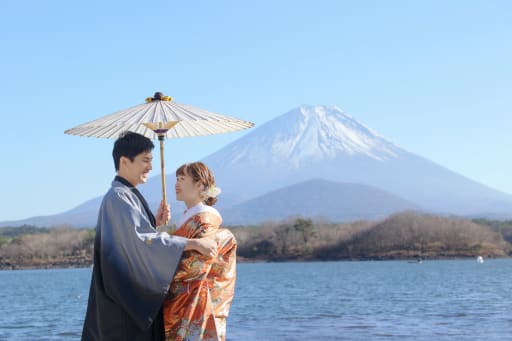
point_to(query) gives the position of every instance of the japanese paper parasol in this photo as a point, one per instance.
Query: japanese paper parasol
(160, 117)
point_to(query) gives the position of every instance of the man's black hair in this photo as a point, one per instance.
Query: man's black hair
(130, 144)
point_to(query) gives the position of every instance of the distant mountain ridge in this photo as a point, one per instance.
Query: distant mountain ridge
(322, 143)
(318, 198)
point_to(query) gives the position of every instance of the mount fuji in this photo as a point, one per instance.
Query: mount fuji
(322, 143)
(325, 142)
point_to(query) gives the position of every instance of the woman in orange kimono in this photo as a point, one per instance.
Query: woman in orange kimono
(202, 289)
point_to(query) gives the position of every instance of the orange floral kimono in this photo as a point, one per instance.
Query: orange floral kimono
(202, 289)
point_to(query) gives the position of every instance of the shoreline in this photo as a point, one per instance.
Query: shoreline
(412, 260)
(406, 236)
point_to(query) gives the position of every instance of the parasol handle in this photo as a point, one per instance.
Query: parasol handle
(162, 169)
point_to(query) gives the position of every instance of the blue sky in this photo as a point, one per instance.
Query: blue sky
(435, 77)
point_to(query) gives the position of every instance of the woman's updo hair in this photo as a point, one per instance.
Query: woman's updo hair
(199, 172)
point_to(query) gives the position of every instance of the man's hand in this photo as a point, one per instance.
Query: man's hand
(163, 215)
(205, 246)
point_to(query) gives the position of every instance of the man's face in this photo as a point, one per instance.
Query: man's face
(136, 172)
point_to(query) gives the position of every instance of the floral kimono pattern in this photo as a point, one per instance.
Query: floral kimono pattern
(202, 290)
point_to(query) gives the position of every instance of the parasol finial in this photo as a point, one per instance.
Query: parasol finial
(159, 96)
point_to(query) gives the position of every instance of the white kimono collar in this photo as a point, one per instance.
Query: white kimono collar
(199, 208)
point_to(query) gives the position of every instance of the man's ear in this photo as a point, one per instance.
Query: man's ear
(123, 160)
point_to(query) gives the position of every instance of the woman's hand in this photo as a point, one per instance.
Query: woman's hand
(163, 215)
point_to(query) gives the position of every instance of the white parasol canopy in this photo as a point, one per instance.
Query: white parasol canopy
(188, 121)
(160, 118)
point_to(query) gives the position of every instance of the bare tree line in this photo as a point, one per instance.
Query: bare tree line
(56, 247)
(403, 235)
(400, 236)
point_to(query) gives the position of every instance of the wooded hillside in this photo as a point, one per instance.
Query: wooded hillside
(407, 235)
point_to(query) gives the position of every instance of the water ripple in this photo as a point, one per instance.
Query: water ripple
(437, 300)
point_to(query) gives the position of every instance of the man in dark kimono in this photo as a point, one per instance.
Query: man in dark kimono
(133, 263)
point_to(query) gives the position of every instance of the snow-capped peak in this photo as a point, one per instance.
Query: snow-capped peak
(326, 132)
(309, 133)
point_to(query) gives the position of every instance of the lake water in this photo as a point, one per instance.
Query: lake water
(385, 300)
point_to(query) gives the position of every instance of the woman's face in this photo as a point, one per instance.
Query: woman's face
(186, 189)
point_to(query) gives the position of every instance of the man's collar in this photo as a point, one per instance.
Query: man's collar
(123, 181)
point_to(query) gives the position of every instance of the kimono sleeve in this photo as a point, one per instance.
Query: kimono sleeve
(137, 263)
(224, 269)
